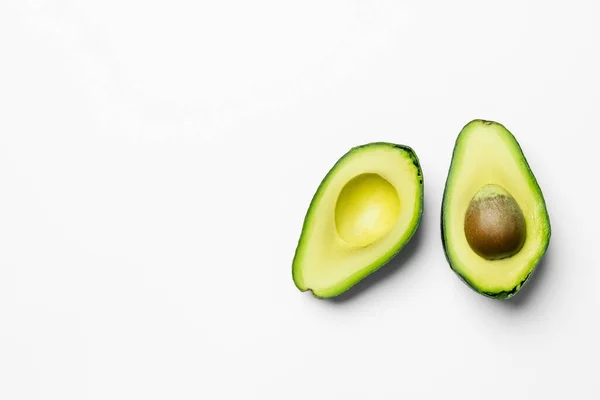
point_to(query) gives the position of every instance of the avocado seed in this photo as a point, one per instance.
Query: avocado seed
(494, 224)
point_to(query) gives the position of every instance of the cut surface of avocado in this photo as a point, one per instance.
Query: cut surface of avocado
(495, 224)
(365, 210)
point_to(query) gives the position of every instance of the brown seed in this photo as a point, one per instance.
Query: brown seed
(494, 224)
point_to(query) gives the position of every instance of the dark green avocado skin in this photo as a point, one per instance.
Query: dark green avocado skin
(502, 295)
(415, 160)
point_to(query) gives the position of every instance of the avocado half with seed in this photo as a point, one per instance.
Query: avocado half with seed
(365, 210)
(495, 225)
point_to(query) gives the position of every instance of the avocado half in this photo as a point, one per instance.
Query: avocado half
(365, 210)
(495, 224)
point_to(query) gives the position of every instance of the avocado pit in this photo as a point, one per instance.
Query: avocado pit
(494, 224)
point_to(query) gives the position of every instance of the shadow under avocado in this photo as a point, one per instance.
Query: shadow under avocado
(386, 271)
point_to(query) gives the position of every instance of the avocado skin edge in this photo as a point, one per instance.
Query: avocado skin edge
(502, 295)
(415, 160)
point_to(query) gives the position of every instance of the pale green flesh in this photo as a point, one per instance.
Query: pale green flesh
(486, 153)
(365, 210)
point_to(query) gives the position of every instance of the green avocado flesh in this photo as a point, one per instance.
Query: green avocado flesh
(365, 210)
(495, 225)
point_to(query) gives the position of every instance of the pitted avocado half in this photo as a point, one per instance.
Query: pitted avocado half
(365, 210)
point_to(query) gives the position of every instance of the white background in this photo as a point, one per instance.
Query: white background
(157, 159)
